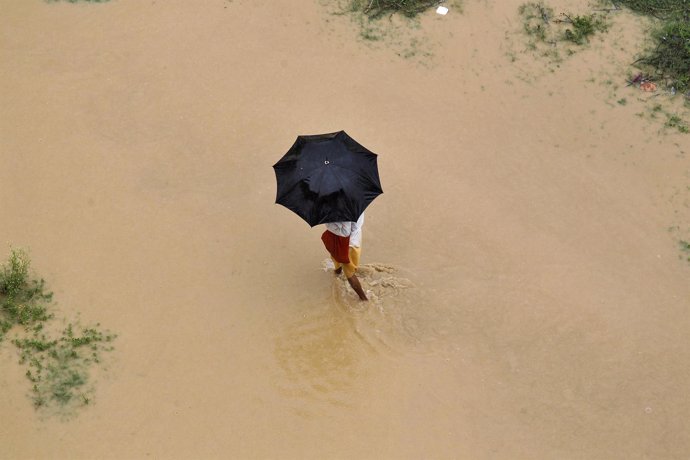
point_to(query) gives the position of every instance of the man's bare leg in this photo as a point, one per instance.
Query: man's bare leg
(354, 282)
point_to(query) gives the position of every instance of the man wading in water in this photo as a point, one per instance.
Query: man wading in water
(343, 240)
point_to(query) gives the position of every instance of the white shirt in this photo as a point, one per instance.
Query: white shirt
(351, 229)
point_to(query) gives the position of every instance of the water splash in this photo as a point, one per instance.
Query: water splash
(397, 319)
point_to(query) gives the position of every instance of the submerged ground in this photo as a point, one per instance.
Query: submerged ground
(529, 295)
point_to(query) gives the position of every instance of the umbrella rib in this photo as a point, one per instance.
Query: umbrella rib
(318, 188)
(288, 191)
(342, 187)
(354, 171)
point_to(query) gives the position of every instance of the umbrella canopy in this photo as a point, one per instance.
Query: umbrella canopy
(327, 178)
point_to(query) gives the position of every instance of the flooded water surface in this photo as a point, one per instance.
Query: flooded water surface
(528, 297)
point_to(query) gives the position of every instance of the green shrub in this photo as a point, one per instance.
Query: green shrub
(23, 301)
(670, 58)
(661, 9)
(58, 368)
(583, 27)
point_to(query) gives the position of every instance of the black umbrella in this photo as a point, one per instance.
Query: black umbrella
(327, 178)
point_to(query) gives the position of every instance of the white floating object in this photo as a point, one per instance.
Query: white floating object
(442, 10)
(327, 264)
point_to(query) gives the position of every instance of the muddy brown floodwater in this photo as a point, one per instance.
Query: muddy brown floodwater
(528, 299)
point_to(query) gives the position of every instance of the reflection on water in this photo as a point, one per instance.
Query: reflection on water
(326, 354)
(321, 358)
(401, 317)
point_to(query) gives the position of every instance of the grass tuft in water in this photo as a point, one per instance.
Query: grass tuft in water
(550, 35)
(401, 31)
(59, 368)
(23, 301)
(375, 9)
(685, 247)
(59, 365)
(674, 121)
(583, 27)
(536, 19)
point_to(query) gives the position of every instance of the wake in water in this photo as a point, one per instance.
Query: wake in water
(399, 317)
(326, 353)
(379, 281)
